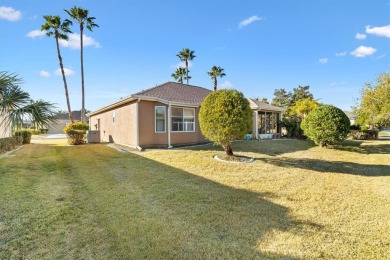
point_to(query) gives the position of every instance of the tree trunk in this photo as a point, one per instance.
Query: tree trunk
(83, 119)
(228, 149)
(187, 71)
(64, 79)
(215, 84)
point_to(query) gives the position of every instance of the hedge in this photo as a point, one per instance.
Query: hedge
(9, 143)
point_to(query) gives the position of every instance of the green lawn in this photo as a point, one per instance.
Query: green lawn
(296, 201)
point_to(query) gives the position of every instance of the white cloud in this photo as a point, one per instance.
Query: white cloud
(74, 42)
(45, 74)
(341, 54)
(362, 51)
(226, 84)
(182, 64)
(383, 31)
(360, 36)
(67, 71)
(249, 21)
(35, 34)
(323, 60)
(10, 14)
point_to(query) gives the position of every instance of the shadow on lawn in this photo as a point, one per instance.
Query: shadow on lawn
(267, 147)
(364, 147)
(329, 166)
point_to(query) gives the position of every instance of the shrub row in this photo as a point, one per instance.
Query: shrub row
(9, 143)
(363, 135)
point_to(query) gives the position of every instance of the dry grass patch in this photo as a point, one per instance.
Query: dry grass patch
(296, 201)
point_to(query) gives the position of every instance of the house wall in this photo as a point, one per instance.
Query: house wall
(4, 131)
(148, 137)
(120, 131)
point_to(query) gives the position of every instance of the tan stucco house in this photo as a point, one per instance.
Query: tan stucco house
(5, 129)
(62, 120)
(167, 116)
(162, 116)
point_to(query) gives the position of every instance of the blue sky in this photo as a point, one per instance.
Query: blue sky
(334, 46)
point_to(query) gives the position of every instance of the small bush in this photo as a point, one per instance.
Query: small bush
(43, 130)
(76, 133)
(363, 127)
(9, 143)
(326, 125)
(25, 134)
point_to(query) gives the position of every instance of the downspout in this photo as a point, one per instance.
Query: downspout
(169, 126)
(137, 124)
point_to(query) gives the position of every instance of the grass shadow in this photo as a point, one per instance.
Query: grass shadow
(330, 166)
(364, 147)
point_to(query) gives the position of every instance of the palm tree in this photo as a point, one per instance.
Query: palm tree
(16, 105)
(80, 15)
(179, 74)
(186, 55)
(54, 26)
(214, 73)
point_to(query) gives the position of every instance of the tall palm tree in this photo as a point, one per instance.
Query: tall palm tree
(80, 15)
(214, 73)
(16, 105)
(59, 30)
(186, 55)
(179, 74)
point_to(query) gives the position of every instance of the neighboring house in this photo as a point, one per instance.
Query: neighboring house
(166, 116)
(351, 116)
(62, 120)
(266, 118)
(5, 131)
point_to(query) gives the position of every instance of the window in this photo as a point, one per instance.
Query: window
(113, 116)
(159, 119)
(183, 119)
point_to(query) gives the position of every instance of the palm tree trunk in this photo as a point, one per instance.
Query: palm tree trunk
(82, 75)
(64, 79)
(215, 84)
(187, 71)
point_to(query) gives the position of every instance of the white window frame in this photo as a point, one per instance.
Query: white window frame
(188, 108)
(155, 119)
(113, 117)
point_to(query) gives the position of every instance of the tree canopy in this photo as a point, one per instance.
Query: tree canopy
(225, 115)
(374, 106)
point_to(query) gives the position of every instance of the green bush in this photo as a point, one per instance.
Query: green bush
(354, 127)
(25, 134)
(225, 115)
(326, 125)
(363, 127)
(76, 133)
(293, 128)
(43, 130)
(9, 143)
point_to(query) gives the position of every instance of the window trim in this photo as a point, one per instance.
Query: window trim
(189, 108)
(155, 120)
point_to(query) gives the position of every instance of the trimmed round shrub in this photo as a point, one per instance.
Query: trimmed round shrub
(76, 133)
(225, 115)
(25, 134)
(326, 125)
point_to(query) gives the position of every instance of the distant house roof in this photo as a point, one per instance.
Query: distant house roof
(256, 104)
(176, 92)
(65, 116)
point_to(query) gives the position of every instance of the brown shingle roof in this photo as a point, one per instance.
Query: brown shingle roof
(76, 115)
(176, 92)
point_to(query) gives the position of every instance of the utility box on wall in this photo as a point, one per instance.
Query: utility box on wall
(93, 136)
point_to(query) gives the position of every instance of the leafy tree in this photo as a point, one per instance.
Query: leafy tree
(80, 15)
(301, 93)
(303, 107)
(186, 55)
(225, 115)
(214, 73)
(179, 74)
(374, 107)
(326, 125)
(282, 98)
(16, 105)
(59, 30)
